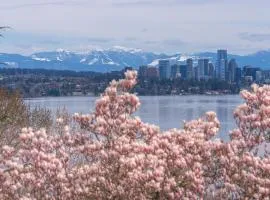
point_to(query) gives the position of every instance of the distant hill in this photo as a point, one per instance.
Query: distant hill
(115, 58)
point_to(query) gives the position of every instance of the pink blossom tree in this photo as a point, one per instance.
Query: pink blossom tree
(117, 156)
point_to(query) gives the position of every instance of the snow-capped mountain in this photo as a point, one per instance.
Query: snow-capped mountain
(116, 58)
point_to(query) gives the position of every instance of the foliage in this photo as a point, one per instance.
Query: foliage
(117, 156)
(40, 118)
(14, 114)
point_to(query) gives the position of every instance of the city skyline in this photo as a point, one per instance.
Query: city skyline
(224, 69)
(168, 27)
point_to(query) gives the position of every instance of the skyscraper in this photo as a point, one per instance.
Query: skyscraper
(232, 70)
(222, 65)
(152, 72)
(189, 63)
(250, 71)
(164, 69)
(222, 54)
(183, 71)
(142, 71)
(195, 73)
(259, 76)
(203, 68)
(238, 75)
(211, 71)
(175, 71)
(200, 69)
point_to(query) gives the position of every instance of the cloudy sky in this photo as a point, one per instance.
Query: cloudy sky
(170, 26)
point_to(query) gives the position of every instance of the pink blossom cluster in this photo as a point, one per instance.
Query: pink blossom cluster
(117, 156)
(253, 117)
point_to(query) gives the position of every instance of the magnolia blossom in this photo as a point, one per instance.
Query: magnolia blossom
(117, 156)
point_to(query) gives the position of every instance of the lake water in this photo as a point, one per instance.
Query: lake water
(165, 111)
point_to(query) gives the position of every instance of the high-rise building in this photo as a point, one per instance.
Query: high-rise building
(189, 63)
(222, 65)
(259, 76)
(142, 71)
(238, 74)
(195, 73)
(266, 76)
(164, 69)
(211, 72)
(232, 70)
(184, 71)
(203, 68)
(200, 69)
(250, 71)
(175, 71)
(222, 54)
(152, 72)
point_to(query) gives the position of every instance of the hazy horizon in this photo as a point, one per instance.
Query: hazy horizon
(174, 26)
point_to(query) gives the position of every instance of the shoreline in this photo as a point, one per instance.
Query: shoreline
(172, 95)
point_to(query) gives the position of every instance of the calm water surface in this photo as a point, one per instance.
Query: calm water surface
(165, 111)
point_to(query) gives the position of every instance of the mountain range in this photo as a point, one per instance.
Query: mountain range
(116, 58)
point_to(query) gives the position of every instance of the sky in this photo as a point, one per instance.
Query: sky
(167, 26)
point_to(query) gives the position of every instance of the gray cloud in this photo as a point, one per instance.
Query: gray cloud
(255, 37)
(40, 4)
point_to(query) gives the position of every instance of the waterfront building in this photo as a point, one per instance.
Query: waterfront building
(142, 72)
(266, 76)
(238, 75)
(175, 71)
(232, 70)
(211, 72)
(164, 69)
(189, 63)
(184, 71)
(203, 71)
(248, 79)
(195, 72)
(222, 65)
(152, 72)
(259, 76)
(222, 54)
(200, 69)
(250, 71)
